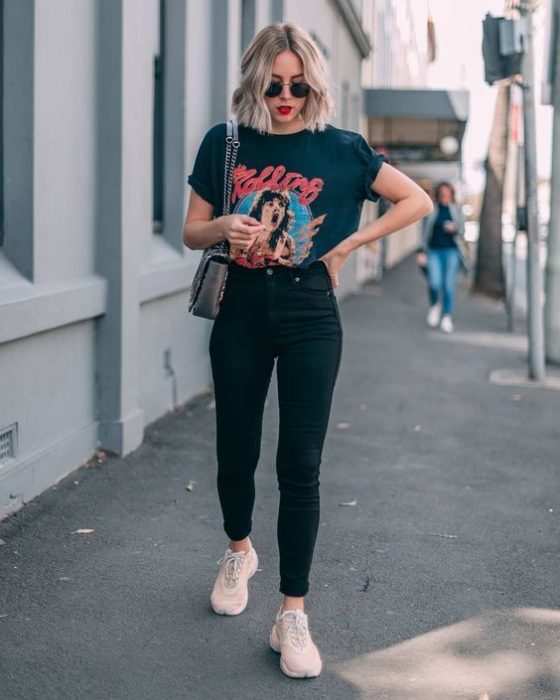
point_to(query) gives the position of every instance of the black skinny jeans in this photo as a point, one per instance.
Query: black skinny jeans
(291, 316)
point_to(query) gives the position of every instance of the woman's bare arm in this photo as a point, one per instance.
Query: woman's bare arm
(410, 204)
(201, 230)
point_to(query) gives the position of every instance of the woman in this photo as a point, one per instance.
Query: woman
(439, 231)
(302, 181)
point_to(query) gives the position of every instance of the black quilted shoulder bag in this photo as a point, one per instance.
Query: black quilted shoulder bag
(209, 282)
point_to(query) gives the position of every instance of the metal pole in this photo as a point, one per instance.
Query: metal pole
(515, 161)
(535, 326)
(519, 175)
(552, 307)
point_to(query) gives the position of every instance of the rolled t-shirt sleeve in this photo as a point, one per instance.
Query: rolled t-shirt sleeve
(369, 162)
(203, 178)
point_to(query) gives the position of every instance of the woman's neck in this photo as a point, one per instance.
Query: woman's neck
(286, 129)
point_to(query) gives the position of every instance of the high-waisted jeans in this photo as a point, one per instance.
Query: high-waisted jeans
(290, 316)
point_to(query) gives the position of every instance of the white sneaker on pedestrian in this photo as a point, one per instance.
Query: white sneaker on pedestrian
(434, 315)
(299, 657)
(231, 592)
(446, 324)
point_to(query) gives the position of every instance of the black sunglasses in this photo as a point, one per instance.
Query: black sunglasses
(297, 89)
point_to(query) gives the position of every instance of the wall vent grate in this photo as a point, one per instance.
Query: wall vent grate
(7, 444)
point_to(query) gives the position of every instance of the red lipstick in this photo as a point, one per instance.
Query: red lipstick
(285, 109)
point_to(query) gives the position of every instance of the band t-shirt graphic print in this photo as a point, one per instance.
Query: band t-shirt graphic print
(281, 201)
(306, 188)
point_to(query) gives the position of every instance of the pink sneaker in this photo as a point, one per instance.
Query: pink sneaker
(230, 593)
(299, 657)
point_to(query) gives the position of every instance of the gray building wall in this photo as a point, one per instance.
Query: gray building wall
(95, 340)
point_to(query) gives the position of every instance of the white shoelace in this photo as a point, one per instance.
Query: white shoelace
(297, 628)
(233, 562)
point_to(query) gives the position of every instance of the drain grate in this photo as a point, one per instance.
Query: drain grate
(7, 444)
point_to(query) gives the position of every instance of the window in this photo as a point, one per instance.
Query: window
(17, 60)
(276, 10)
(356, 110)
(1, 122)
(345, 104)
(247, 23)
(158, 134)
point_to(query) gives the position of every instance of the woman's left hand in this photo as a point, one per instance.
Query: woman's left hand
(334, 260)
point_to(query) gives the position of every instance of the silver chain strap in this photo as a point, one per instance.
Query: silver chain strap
(232, 144)
(218, 252)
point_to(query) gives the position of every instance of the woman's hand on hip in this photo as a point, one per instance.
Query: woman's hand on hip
(240, 230)
(335, 260)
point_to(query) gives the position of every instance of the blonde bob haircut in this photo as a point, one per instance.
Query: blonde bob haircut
(248, 101)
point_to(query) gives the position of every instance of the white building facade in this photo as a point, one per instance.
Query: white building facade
(399, 33)
(400, 59)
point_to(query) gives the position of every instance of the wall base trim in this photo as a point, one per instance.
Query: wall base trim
(24, 480)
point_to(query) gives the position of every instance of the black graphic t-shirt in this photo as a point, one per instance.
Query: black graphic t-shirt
(307, 188)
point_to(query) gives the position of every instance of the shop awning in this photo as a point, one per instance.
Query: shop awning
(417, 124)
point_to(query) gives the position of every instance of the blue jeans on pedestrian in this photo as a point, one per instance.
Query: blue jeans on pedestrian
(443, 264)
(288, 316)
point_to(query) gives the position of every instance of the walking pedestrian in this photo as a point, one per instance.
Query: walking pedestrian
(298, 189)
(439, 240)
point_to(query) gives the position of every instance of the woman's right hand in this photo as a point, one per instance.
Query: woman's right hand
(240, 230)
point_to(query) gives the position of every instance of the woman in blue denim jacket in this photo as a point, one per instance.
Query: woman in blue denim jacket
(439, 232)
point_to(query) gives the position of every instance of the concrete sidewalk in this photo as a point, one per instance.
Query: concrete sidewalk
(440, 582)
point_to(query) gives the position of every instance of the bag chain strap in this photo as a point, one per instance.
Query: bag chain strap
(232, 144)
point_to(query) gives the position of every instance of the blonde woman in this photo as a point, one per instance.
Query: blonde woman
(300, 180)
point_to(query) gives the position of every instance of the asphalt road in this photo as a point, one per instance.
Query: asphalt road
(439, 583)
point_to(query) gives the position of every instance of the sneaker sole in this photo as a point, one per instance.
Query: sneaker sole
(275, 646)
(238, 611)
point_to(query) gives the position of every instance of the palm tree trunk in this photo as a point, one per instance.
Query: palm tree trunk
(489, 273)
